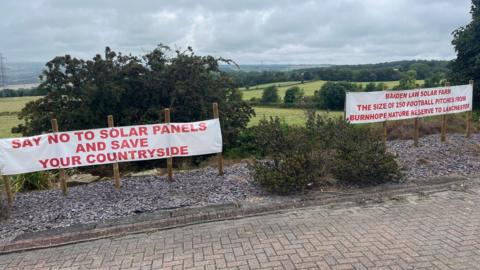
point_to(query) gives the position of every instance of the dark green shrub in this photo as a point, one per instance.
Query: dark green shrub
(293, 95)
(360, 157)
(332, 95)
(244, 146)
(270, 95)
(292, 165)
(297, 158)
(81, 93)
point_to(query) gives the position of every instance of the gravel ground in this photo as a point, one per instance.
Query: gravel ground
(459, 156)
(41, 210)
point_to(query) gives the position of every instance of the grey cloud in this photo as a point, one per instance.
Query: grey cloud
(248, 31)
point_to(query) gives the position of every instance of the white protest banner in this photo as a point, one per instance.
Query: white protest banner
(380, 106)
(109, 145)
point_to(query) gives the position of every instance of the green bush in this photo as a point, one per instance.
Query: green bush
(81, 93)
(332, 95)
(292, 165)
(360, 157)
(270, 95)
(244, 146)
(297, 158)
(293, 95)
(31, 181)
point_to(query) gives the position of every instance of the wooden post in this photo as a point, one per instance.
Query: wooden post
(416, 132)
(8, 189)
(443, 137)
(62, 175)
(216, 115)
(116, 170)
(169, 160)
(469, 119)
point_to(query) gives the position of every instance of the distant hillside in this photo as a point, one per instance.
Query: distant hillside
(23, 72)
(277, 67)
(389, 71)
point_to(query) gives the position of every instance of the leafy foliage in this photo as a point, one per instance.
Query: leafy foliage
(391, 71)
(81, 93)
(466, 41)
(292, 165)
(298, 158)
(408, 80)
(270, 95)
(293, 95)
(31, 181)
(332, 95)
(361, 158)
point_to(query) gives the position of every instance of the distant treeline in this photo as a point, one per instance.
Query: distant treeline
(392, 71)
(4, 93)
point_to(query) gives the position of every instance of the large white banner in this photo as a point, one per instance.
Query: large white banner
(369, 107)
(109, 145)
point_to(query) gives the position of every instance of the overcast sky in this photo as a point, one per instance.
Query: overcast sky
(247, 31)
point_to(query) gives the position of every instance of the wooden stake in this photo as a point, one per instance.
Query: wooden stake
(116, 170)
(62, 175)
(216, 115)
(416, 132)
(443, 137)
(169, 160)
(8, 189)
(469, 119)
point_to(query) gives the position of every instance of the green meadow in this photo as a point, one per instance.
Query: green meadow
(309, 88)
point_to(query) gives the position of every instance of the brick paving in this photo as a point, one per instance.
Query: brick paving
(440, 231)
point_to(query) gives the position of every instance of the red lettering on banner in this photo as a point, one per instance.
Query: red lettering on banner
(130, 143)
(176, 128)
(123, 132)
(27, 142)
(56, 138)
(60, 162)
(91, 147)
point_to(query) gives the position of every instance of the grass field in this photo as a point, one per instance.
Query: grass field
(10, 105)
(309, 88)
(290, 116)
(14, 104)
(265, 85)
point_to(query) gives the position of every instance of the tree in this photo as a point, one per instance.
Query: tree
(370, 87)
(81, 93)
(332, 95)
(293, 95)
(408, 80)
(466, 41)
(434, 81)
(270, 95)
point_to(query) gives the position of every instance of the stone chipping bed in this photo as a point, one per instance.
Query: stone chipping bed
(459, 156)
(43, 210)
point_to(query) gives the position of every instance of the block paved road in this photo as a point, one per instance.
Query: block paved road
(439, 231)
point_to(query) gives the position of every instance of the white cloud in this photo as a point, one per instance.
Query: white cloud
(248, 31)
